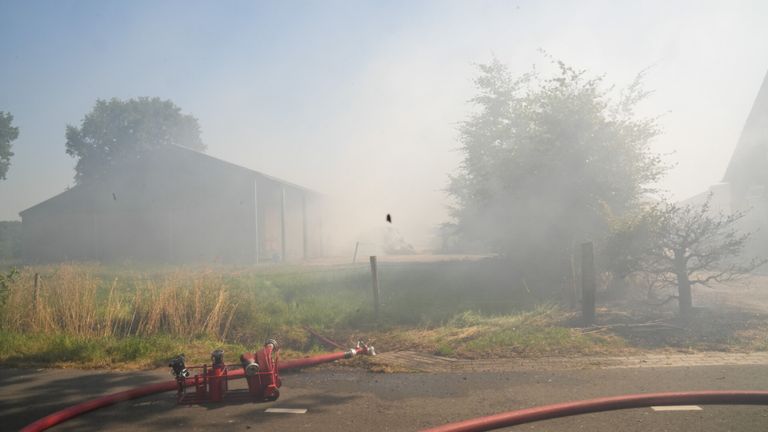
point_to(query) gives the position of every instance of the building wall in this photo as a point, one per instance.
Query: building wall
(270, 228)
(173, 208)
(280, 204)
(64, 237)
(294, 224)
(748, 175)
(754, 204)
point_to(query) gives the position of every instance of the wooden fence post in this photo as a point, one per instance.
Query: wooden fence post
(587, 284)
(375, 278)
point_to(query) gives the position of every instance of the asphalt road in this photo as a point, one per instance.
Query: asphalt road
(344, 399)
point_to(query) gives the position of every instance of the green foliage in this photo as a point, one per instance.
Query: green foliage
(529, 339)
(6, 279)
(465, 319)
(10, 240)
(26, 349)
(8, 133)
(536, 332)
(445, 350)
(630, 236)
(546, 159)
(117, 129)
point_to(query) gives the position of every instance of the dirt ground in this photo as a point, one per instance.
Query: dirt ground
(746, 295)
(730, 316)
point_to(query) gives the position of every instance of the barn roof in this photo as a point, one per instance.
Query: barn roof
(81, 192)
(754, 137)
(230, 165)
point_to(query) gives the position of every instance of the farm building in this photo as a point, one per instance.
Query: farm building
(176, 205)
(745, 184)
(747, 172)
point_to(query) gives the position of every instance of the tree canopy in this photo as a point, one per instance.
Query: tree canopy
(547, 159)
(117, 129)
(8, 133)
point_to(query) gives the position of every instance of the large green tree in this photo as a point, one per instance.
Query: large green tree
(116, 129)
(8, 133)
(546, 159)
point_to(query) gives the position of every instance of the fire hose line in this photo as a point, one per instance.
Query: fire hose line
(111, 399)
(566, 409)
(324, 340)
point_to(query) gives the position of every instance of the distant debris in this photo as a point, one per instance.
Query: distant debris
(389, 218)
(393, 242)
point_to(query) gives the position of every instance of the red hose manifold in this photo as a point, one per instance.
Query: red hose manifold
(261, 372)
(545, 412)
(180, 371)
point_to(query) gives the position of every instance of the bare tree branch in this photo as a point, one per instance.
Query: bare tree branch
(686, 245)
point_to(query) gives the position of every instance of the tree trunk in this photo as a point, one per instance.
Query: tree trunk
(684, 297)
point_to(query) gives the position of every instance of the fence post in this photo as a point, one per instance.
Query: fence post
(587, 284)
(375, 278)
(354, 257)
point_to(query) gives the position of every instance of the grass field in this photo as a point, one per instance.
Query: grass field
(100, 316)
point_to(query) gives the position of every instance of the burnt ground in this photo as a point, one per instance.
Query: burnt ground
(730, 317)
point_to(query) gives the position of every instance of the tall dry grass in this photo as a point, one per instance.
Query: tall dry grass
(71, 299)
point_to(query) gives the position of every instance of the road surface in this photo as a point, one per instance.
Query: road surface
(339, 398)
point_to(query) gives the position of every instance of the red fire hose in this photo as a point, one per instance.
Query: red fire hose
(319, 359)
(101, 402)
(545, 412)
(324, 340)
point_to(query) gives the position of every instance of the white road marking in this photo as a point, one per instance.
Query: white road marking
(677, 408)
(286, 410)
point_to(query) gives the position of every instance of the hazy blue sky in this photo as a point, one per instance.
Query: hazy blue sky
(361, 99)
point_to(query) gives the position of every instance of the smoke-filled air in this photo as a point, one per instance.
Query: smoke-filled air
(553, 185)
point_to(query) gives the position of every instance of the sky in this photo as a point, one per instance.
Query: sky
(361, 100)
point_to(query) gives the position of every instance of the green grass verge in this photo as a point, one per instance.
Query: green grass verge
(533, 333)
(29, 350)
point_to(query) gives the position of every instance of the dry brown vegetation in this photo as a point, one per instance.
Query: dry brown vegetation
(73, 301)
